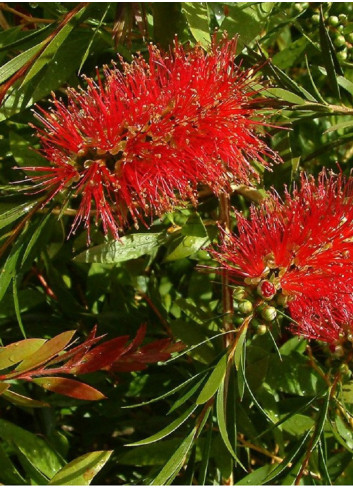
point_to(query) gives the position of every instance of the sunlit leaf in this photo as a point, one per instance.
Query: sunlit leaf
(47, 351)
(70, 388)
(81, 470)
(16, 352)
(127, 248)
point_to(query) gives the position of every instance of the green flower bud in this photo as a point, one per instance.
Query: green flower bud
(343, 19)
(282, 300)
(261, 329)
(339, 41)
(245, 307)
(268, 313)
(238, 293)
(342, 55)
(333, 20)
(350, 37)
(315, 18)
(238, 320)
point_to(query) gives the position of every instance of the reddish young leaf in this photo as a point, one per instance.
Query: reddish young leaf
(70, 388)
(102, 356)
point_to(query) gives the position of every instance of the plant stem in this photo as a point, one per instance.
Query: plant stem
(227, 293)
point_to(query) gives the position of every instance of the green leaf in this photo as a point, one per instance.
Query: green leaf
(206, 454)
(3, 387)
(186, 396)
(175, 463)
(47, 351)
(70, 388)
(193, 237)
(15, 64)
(37, 451)
(239, 348)
(291, 456)
(9, 474)
(15, 213)
(284, 95)
(293, 375)
(167, 394)
(127, 248)
(327, 56)
(298, 424)
(35, 237)
(81, 470)
(196, 14)
(248, 20)
(23, 401)
(214, 381)
(16, 352)
(148, 455)
(347, 392)
(53, 46)
(341, 125)
(255, 478)
(222, 422)
(9, 269)
(23, 153)
(99, 25)
(167, 430)
(345, 83)
(63, 66)
(291, 54)
(17, 307)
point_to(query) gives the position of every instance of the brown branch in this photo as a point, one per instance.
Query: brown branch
(28, 18)
(227, 292)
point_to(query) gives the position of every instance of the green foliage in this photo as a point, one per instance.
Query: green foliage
(188, 403)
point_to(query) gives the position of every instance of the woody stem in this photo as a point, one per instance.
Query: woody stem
(227, 294)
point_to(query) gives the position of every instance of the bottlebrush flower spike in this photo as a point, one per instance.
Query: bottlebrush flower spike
(143, 139)
(301, 248)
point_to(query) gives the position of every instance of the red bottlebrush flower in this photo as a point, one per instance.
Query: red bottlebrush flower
(303, 247)
(140, 141)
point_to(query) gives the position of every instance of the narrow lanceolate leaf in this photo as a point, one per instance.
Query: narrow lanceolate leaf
(10, 216)
(3, 387)
(222, 422)
(327, 56)
(239, 348)
(53, 46)
(36, 450)
(16, 352)
(214, 381)
(166, 431)
(86, 53)
(127, 248)
(284, 95)
(15, 64)
(293, 455)
(175, 463)
(22, 401)
(70, 388)
(339, 126)
(80, 472)
(47, 351)
(102, 356)
(185, 397)
(196, 14)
